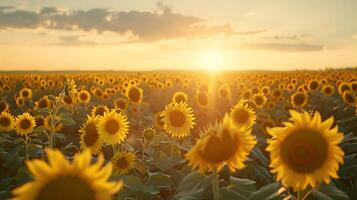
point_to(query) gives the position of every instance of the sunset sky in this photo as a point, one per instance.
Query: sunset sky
(177, 34)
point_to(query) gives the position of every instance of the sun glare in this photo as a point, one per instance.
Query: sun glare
(212, 60)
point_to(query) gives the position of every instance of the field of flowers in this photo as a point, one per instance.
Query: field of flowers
(178, 135)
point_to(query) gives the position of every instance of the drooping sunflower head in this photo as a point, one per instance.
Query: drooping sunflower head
(123, 162)
(178, 97)
(99, 110)
(305, 152)
(24, 123)
(89, 135)
(6, 122)
(70, 89)
(242, 115)
(178, 119)
(60, 179)
(83, 97)
(299, 99)
(43, 102)
(113, 127)
(134, 94)
(221, 144)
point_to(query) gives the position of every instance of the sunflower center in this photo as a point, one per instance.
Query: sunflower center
(112, 126)
(299, 99)
(25, 93)
(217, 150)
(121, 104)
(241, 116)
(259, 100)
(25, 124)
(328, 90)
(66, 187)
(83, 96)
(42, 103)
(314, 85)
(134, 95)
(177, 118)
(100, 111)
(223, 92)
(121, 163)
(91, 134)
(67, 99)
(180, 98)
(304, 151)
(4, 121)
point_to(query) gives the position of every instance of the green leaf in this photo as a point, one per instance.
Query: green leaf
(348, 171)
(349, 148)
(226, 194)
(244, 187)
(42, 111)
(329, 192)
(159, 179)
(193, 183)
(266, 192)
(135, 185)
(67, 120)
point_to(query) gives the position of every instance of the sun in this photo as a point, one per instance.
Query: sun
(212, 60)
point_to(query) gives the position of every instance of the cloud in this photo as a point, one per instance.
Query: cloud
(75, 40)
(144, 25)
(283, 47)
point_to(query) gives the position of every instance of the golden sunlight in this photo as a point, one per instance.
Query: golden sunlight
(212, 60)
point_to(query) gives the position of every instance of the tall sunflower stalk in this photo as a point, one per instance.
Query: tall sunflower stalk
(69, 90)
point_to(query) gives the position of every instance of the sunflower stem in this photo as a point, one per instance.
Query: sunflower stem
(215, 185)
(27, 154)
(54, 116)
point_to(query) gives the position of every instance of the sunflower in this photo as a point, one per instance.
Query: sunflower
(178, 119)
(26, 93)
(313, 85)
(299, 99)
(121, 104)
(6, 122)
(48, 126)
(83, 97)
(242, 115)
(344, 87)
(60, 179)
(113, 127)
(89, 135)
(259, 100)
(305, 151)
(134, 94)
(349, 98)
(43, 102)
(70, 89)
(123, 161)
(202, 99)
(178, 97)
(149, 133)
(19, 101)
(221, 144)
(99, 110)
(24, 124)
(328, 90)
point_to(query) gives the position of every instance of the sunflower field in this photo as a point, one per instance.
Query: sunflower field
(178, 135)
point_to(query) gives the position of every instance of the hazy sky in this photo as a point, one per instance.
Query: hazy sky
(177, 34)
